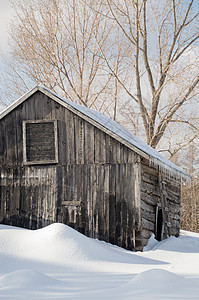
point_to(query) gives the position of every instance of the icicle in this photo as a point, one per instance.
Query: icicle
(168, 172)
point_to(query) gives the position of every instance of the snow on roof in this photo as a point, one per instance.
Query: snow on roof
(113, 127)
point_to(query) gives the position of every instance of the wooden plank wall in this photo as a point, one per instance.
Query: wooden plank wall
(95, 174)
(105, 210)
(28, 196)
(100, 175)
(150, 198)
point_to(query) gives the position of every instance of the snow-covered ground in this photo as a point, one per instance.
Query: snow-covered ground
(57, 262)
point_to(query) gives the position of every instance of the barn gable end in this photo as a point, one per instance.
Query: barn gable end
(84, 177)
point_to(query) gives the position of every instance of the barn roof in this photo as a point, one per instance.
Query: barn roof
(109, 126)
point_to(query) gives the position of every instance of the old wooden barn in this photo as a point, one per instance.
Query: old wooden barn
(62, 162)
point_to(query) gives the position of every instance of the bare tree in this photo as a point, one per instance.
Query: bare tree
(164, 64)
(190, 206)
(190, 191)
(56, 43)
(143, 52)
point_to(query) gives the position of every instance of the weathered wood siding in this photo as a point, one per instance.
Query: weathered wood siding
(105, 211)
(92, 187)
(99, 186)
(28, 196)
(150, 198)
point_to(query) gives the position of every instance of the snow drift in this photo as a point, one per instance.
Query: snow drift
(57, 262)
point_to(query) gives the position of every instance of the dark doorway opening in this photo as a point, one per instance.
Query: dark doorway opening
(159, 224)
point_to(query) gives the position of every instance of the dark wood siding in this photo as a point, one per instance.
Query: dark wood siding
(91, 188)
(150, 198)
(28, 196)
(104, 210)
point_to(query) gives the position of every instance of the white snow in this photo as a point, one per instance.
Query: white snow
(57, 262)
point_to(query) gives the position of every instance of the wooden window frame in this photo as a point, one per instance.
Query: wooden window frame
(43, 162)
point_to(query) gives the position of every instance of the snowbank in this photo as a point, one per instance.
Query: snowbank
(57, 262)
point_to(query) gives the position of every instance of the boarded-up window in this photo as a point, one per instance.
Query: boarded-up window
(40, 142)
